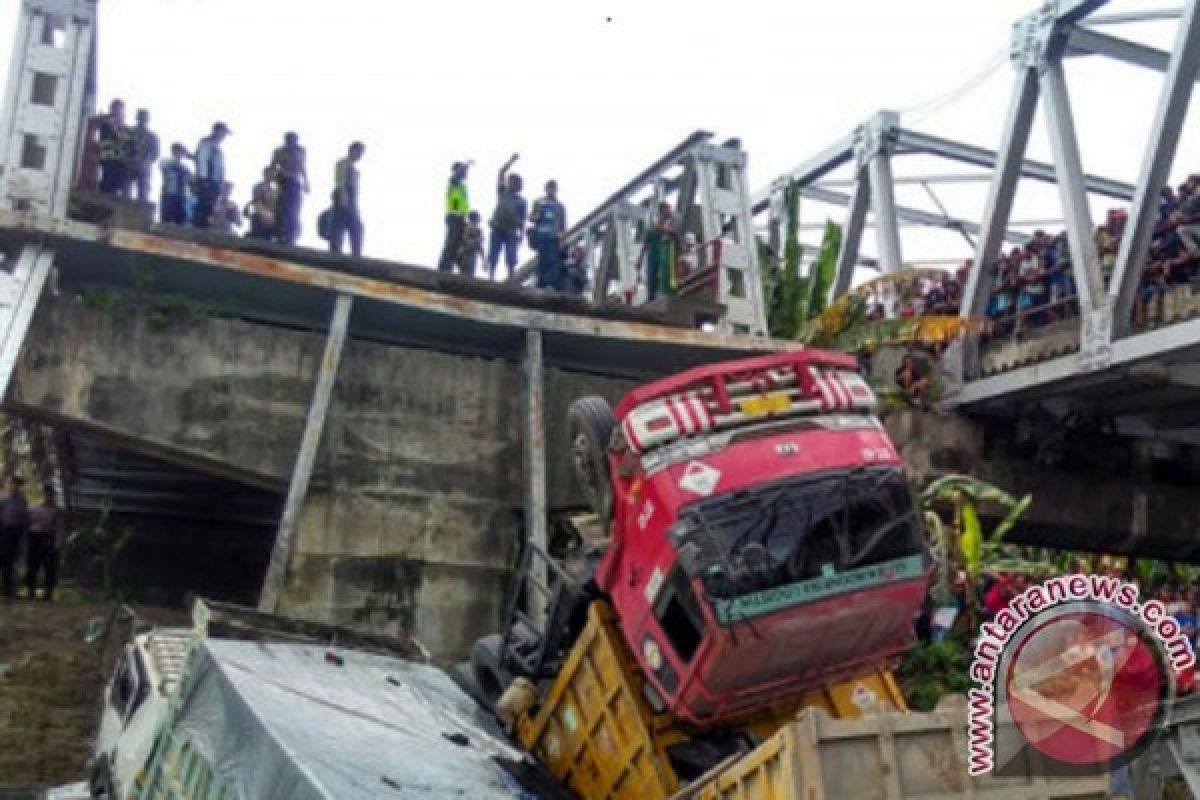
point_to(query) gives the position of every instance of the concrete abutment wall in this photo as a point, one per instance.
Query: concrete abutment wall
(414, 516)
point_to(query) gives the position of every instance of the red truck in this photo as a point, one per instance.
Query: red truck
(762, 538)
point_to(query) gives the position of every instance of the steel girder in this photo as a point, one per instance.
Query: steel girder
(705, 184)
(1105, 339)
(1160, 155)
(1172, 342)
(998, 208)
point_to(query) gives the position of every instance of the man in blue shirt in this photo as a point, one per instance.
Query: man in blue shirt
(548, 224)
(175, 179)
(210, 174)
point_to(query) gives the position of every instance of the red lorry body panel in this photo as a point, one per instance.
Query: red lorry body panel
(798, 633)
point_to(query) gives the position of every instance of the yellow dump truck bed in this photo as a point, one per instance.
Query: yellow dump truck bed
(909, 756)
(596, 732)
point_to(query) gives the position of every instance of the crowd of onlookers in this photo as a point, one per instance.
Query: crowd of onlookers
(924, 294)
(512, 223)
(120, 161)
(1032, 285)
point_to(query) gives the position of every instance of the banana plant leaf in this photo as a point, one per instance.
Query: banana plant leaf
(971, 539)
(943, 488)
(1011, 518)
(825, 268)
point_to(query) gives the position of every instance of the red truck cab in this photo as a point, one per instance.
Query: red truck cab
(764, 539)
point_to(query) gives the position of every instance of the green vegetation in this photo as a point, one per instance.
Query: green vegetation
(931, 671)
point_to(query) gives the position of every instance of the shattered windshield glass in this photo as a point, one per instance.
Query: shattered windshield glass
(798, 529)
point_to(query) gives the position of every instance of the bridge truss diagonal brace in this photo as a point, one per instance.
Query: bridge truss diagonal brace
(1085, 263)
(20, 292)
(883, 203)
(1086, 42)
(1163, 141)
(314, 426)
(998, 209)
(534, 438)
(852, 232)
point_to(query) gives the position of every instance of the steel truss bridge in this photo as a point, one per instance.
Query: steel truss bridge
(1149, 379)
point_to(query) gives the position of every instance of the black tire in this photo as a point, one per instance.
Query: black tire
(590, 425)
(486, 669)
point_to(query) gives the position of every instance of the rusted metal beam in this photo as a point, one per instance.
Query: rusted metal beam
(246, 263)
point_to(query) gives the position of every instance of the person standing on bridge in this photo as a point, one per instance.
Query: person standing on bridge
(14, 522)
(143, 154)
(549, 223)
(508, 220)
(210, 174)
(290, 161)
(172, 203)
(457, 207)
(346, 219)
(659, 252)
(472, 245)
(112, 143)
(47, 533)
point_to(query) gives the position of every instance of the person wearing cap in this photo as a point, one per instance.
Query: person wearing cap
(457, 208)
(47, 534)
(289, 161)
(210, 174)
(14, 521)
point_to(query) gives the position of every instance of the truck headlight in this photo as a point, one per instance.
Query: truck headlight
(652, 653)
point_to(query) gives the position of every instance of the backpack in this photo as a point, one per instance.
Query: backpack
(325, 224)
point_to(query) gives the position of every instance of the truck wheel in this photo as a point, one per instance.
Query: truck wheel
(486, 669)
(590, 423)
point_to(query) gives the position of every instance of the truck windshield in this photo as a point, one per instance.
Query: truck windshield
(798, 529)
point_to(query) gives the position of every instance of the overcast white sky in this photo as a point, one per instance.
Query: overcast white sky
(587, 92)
